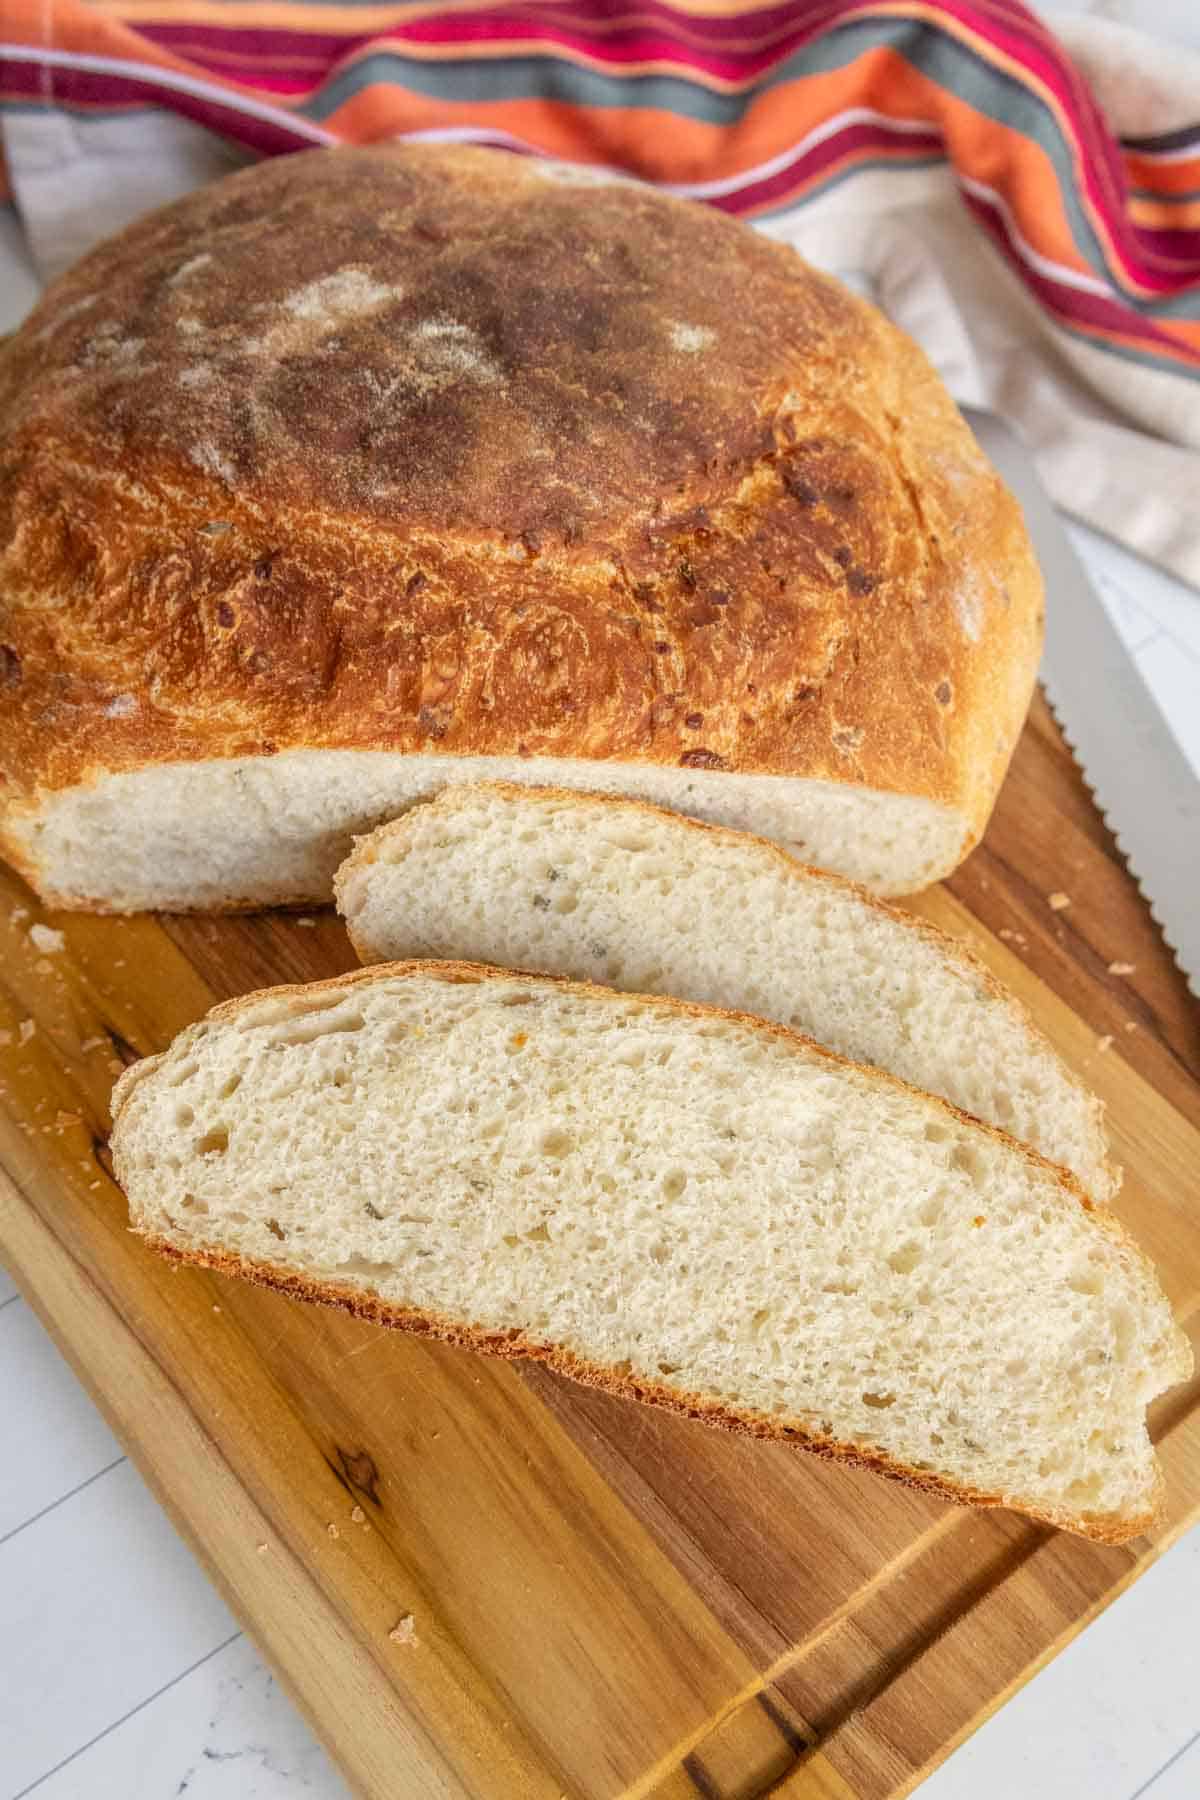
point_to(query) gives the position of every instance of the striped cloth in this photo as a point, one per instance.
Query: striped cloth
(894, 138)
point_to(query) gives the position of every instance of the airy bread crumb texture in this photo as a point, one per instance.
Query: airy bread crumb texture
(263, 831)
(688, 1205)
(617, 892)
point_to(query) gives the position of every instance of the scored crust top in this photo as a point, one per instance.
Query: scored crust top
(435, 449)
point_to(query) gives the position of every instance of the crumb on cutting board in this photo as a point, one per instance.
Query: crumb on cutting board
(1121, 968)
(25, 1030)
(1104, 1043)
(46, 939)
(404, 1631)
(1058, 901)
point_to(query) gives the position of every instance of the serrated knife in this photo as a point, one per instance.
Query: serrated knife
(1139, 775)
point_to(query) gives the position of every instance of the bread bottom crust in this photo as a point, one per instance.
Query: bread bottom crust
(1101, 1528)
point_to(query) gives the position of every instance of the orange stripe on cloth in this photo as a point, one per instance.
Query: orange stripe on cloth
(1158, 215)
(1164, 178)
(1180, 346)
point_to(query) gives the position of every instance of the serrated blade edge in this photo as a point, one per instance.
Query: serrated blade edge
(1138, 774)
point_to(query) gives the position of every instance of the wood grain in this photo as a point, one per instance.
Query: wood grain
(604, 1601)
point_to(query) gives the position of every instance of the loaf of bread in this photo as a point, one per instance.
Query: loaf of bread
(610, 890)
(679, 1204)
(367, 470)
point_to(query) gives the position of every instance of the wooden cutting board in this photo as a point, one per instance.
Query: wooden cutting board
(480, 1580)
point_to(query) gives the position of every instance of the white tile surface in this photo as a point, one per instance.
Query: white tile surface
(1180, 1778)
(63, 1440)
(100, 1607)
(225, 1731)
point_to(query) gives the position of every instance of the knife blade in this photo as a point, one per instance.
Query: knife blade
(1140, 778)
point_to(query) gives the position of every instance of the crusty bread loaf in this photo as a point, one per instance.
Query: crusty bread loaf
(688, 1206)
(614, 891)
(365, 470)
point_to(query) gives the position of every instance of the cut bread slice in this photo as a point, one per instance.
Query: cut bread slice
(682, 1205)
(611, 890)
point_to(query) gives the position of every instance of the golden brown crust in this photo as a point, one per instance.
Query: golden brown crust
(1104, 1528)
(951, 949)
(467, 466)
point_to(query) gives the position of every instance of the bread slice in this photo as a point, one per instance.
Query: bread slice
(679, 1204)
(605, 889)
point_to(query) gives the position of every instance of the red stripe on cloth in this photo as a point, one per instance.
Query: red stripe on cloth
(21, 80)
(820, 163)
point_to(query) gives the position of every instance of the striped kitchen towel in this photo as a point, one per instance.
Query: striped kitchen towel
(950, 156)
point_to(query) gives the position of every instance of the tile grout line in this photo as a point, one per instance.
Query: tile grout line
(140, 1707)
(61, 1501)
(1169, 1764)
(11, 1301)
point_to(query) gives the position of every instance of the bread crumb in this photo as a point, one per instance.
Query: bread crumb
(310, 924)
(1104, 1043)
(1011, 937)
(404, 1631)
(1058, 901)
(25, 1030)
(332, 1529)
(46, 939)
(216, 1308)
(357, 1514)
(260, 1549)
(92, 1043)
(1129, 1025)
(1121, 968)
